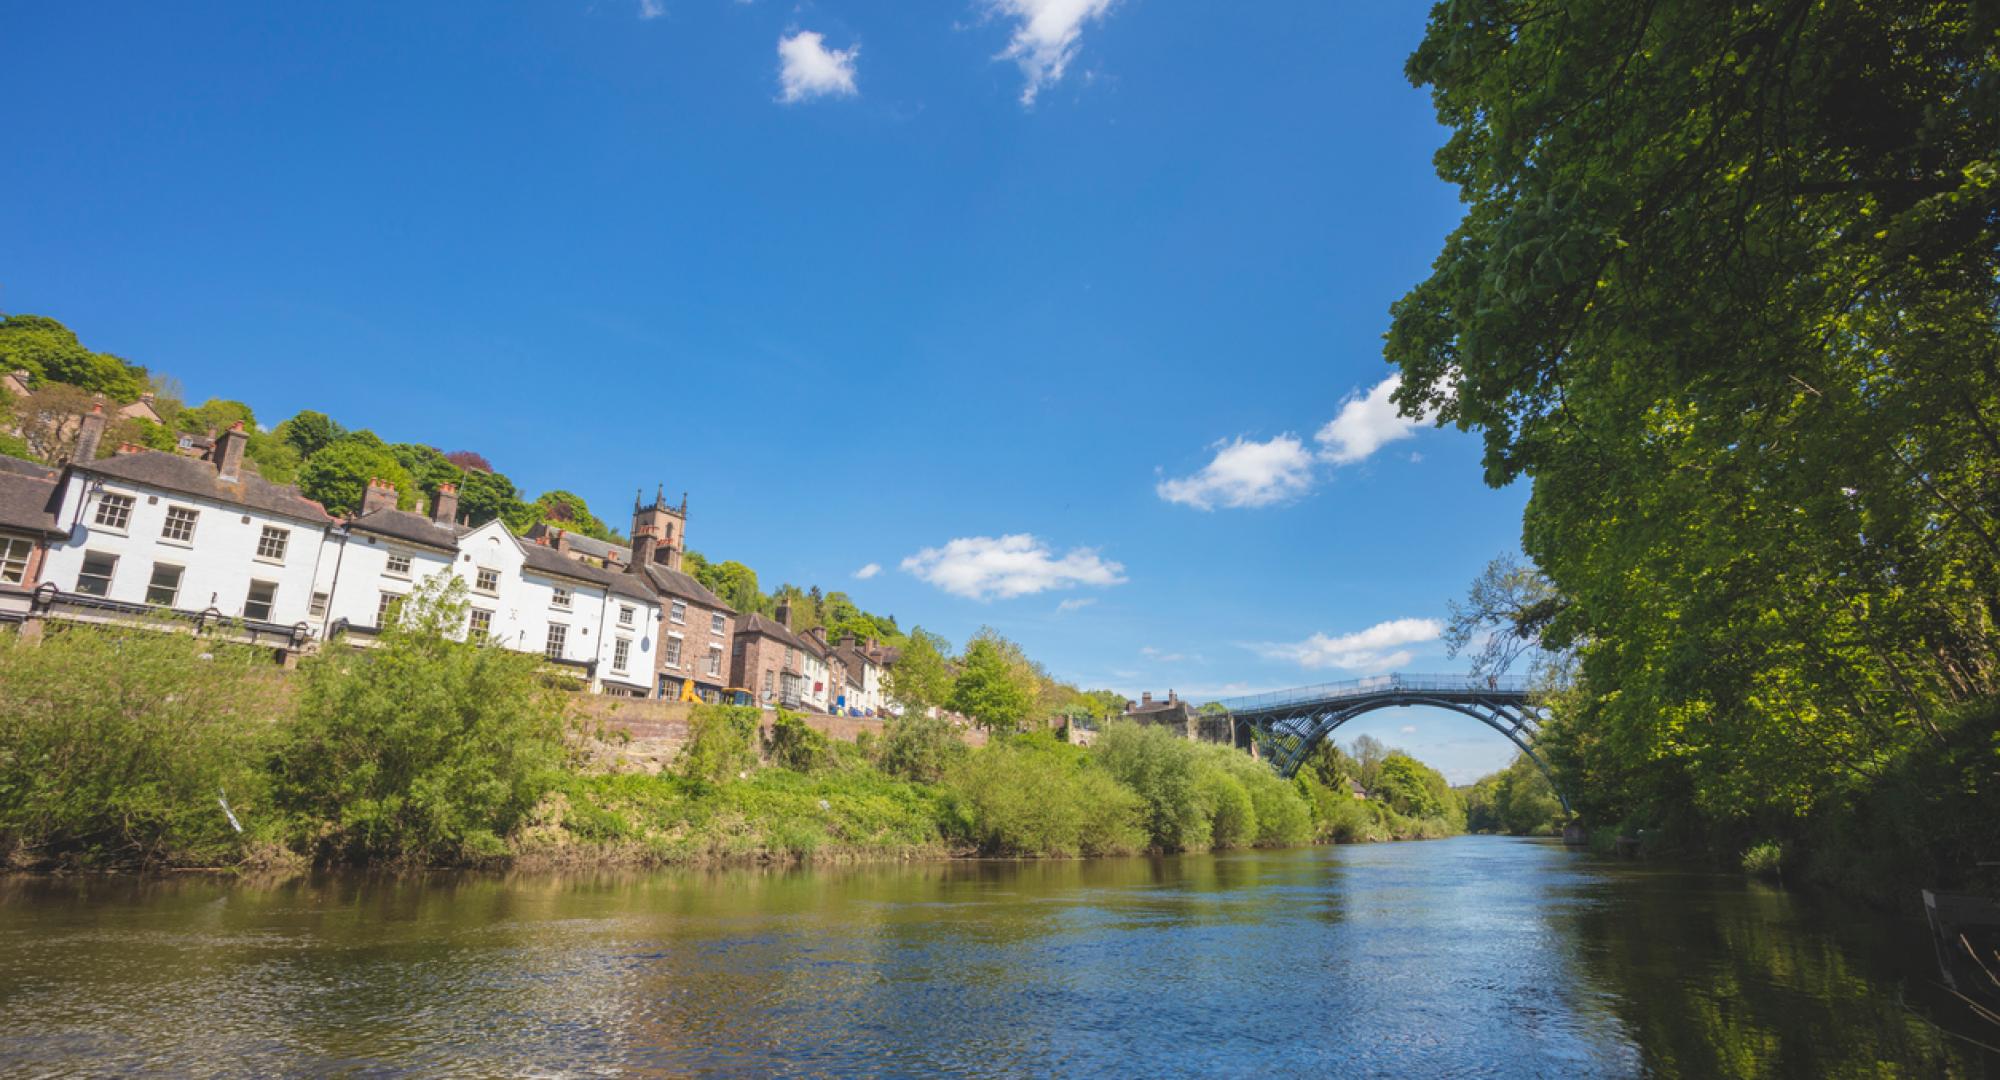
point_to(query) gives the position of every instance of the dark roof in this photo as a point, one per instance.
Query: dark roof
(26, 468)
(772, 628)
(586, 545)
(404, 525)
(672, 582)
(28, 500)
(547, 560)
(190, 476)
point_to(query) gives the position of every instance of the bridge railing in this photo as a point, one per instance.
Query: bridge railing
(1377, 684)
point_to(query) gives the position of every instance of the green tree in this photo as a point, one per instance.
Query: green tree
(424, 749)
(988, 688)
(309, 432)
(486, 496)
(337, 477)
(50, 352)
(215, 415)
(1724, 291)
(734, 582)
(921, 677)
(567, 510)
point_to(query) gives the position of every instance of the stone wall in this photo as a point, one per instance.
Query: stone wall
(648, 735)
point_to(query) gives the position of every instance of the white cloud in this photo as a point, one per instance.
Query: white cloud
(1075, 603)
(868, 571)
(1366, 422)
(982, 567)
(652, 9)
(808, 69)
(1046, 36)
(1375, 649)
(1245, 473)
(1408, 729)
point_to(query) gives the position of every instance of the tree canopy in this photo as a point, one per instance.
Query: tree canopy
(1725, 290)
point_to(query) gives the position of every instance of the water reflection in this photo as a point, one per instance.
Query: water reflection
(1466, 957)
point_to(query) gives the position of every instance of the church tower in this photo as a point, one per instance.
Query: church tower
(658, 531)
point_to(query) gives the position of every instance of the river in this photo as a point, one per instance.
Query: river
(1478, 956)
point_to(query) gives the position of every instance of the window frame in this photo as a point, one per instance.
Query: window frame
(9, 559)
(191, 521)
(715, 661)
(676, 648)
(627, 614)
(388, 605)
(270, 601)
(677, 613)
(319, 604)
(561, 599)
(276, 537)
(621, 654)
(389, 565)
(108, 501)
(479, 583)
(110, 574)
(557, 641)
(716, 623)
(477, 628)
(153, 584)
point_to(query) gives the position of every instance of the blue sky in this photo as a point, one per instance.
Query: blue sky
(1064, 314)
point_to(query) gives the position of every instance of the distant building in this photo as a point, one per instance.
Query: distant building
(779, 667)
(28, 522)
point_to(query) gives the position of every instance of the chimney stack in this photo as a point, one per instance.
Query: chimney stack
(562, 541)
(444, 505)
(381, 495)
(1171, 699)
(1146, 698)
(784, 615)
(89, 435)
(229, 452)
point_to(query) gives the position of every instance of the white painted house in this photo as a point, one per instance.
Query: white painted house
(151, 529)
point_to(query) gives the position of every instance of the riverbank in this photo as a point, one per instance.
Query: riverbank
(135, 749)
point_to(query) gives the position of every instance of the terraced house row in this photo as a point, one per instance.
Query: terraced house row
(198, 539)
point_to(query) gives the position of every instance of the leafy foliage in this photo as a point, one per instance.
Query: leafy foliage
(1032, 795)
(51, 353)
(1725, 290)
(722, 743)
(920, 748)
(990, 688)
(921, 679)
(337, 477)
(793, 744)
(424, 749)
(116, 745)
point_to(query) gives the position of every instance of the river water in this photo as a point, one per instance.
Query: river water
(1478, 956)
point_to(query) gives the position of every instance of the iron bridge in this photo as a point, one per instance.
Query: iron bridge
(1290, 724)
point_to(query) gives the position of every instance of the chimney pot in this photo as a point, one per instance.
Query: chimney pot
(1146, 698)
(444, 505)
(381, 495)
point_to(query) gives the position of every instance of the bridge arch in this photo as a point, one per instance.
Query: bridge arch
(1290, 724)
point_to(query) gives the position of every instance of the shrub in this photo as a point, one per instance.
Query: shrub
(116, 745)
(1764, 859)
(920, 748)
(424, 749)
(1280, 810)
(1162, 770)
(1035, 796)
(721, 743)
(1232, 817)
(793, 744)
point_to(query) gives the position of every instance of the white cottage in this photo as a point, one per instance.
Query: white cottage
(150, 530)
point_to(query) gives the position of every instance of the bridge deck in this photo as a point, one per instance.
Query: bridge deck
(1505, 688)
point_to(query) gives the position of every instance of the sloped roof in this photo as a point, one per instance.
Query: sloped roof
(586, 545)
(28, 498)
(191, 476)
(772, 628)
(411, 527)
(547, 560)
(672, 582)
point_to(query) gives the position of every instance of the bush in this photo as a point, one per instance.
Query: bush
(793, 744)
(1764, 859)
(424, 749)
(1162, 770)
(1232, 817)
(721, 743)
(1032, 795)
(116, 745)
(921, 748)
(1281, 814)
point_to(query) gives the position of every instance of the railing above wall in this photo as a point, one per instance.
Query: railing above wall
(1512, 686)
